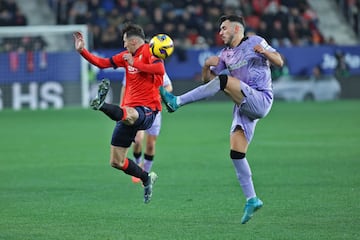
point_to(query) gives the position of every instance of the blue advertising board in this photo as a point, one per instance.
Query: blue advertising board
(39, 67)
(42, 80)
(300, 61)
(66, 66)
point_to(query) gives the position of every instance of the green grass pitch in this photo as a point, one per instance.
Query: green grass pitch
(56, 181)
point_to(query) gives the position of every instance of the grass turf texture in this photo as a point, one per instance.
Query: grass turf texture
(56, 182)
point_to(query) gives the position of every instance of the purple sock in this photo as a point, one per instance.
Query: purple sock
(243, 173)
(148, 162)
(147, 165)
(201, 92)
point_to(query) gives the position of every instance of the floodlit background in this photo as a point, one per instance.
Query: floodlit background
(55, 177)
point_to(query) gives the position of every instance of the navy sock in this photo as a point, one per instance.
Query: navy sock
(131, 168)
(112, 111)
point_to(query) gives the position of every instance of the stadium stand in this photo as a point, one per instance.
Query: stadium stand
(333, 24)
(350, 9)
(11, 14)
(192, 24)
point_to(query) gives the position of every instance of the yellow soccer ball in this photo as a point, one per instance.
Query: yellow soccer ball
(161, 46)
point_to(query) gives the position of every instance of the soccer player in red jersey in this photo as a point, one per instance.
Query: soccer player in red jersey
(141, 100)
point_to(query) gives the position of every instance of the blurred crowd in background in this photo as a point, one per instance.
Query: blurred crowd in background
(10, 14)
(351, 11)
(192, 24)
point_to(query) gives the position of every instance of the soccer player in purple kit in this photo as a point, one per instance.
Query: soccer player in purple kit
(249, 85)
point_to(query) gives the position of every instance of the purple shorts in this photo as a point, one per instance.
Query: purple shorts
(256, 105)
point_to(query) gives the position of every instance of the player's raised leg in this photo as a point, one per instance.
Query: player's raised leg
(113, 111)
(170, 100)
(103, 90)
(207, 90)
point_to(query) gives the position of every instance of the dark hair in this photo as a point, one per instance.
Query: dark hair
(133, 30)
(232, 18)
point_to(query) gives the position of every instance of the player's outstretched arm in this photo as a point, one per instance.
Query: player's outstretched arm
(80, 47)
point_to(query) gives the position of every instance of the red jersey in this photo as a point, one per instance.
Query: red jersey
(143, 79)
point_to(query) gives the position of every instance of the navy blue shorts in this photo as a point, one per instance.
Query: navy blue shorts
(123, 135)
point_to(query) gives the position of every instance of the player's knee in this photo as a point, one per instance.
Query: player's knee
(131, 116)
(223, 81)
(237, 155)
(150, 147)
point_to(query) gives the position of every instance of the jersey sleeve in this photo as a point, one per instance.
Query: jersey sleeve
(218, 69)
(114, 61)
(155, 67)
(151, 64)
(264, 43)
(117, 60)
(95, 60)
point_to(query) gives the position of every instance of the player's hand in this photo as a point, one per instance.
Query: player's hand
(129, 58)
(79, 41)
(211, 61)
(259, 49)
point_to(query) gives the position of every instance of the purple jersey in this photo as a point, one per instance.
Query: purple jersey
(244, 64)
(253, 70)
